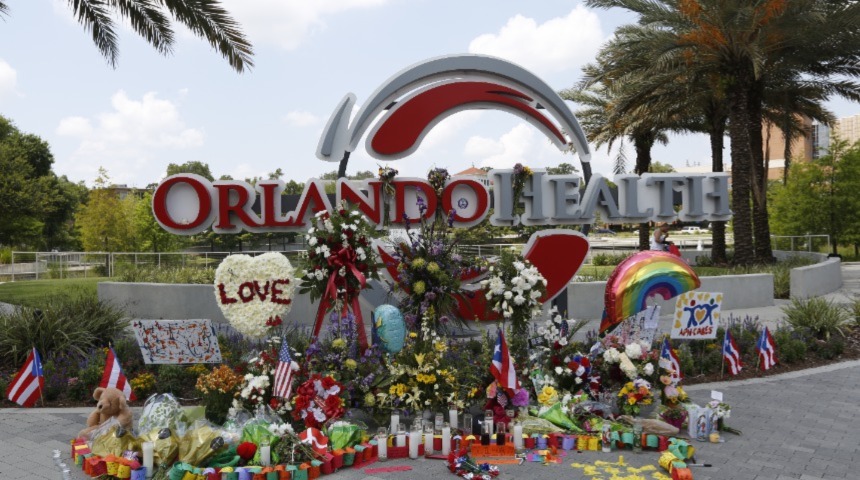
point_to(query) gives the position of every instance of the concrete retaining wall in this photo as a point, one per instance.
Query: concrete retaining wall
(184, 302)
(818, 279)
(814, 256)
(585, 300)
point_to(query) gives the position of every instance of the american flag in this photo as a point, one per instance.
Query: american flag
(731, 354)
(284, 372)
(502, 367)
(113, 376)
(766, 349)
(27, 385)
(671, 358)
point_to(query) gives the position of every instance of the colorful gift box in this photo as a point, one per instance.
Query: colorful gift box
(531, 443)
(569, 442)
(139, 474)
(314, 470)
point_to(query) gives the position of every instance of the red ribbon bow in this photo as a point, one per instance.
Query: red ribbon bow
(343, 258)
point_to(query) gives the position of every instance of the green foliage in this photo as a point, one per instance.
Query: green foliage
(829, 349)
(791, 345)
(154, 274)
(72, 323)
(657, 167)
(821, 197)
(819, 316)
(854, 310)
(604, 259)
(173, 379)
(194, 166)
(5, 255)
(36, 293)
(88, 378)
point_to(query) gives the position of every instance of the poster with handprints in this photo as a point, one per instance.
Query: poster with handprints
(697, 315)
(177, 341)
(640, 328)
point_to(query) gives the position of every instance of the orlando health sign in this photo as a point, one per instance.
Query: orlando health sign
(395, 120)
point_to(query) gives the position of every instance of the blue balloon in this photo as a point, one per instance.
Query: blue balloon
(390, 327)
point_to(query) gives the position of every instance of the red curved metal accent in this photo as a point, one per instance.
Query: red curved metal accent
(404, 126)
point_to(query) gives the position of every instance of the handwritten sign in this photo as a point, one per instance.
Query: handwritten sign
(177, 341)
(697, 315)
(640, 328)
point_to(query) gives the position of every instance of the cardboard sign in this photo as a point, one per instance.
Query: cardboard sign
(641, 328)
(177, 341)
(697, 315)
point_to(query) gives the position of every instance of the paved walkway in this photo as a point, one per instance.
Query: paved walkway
(801, 425)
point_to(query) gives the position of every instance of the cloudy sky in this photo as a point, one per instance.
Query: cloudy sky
(152, 110)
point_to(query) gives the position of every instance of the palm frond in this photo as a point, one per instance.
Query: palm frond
(208, 19)
(94, 15)
(148, 21)
(4, 9)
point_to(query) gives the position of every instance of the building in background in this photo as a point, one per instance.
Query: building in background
(848, 129)
(475, 173)
(774, 147)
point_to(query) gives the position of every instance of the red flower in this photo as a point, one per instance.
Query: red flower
(555, 361)
(246, 450)
(328, 382)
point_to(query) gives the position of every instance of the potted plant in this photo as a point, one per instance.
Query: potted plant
(674, 416)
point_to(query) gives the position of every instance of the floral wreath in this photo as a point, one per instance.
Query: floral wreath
(462, 465)
(318, 401)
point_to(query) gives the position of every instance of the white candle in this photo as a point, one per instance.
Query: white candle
(518, 437)
(382, 447)
(452, 418)
(414, 441)
(428, 443)
(401, 439)
(148, 458)
(395, 423)
(265, 455)
(446, 440)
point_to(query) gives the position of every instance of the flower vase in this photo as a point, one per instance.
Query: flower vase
(675, 422)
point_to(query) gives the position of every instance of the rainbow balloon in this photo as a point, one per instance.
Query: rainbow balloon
(643, 275)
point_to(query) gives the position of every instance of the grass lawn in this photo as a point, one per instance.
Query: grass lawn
(33, 293)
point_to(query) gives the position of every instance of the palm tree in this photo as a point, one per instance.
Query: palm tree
(206, 18)
(601, 90)
(741, 41)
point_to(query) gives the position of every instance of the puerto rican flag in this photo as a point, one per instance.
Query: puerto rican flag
(316, 439)
(502, 367)
(667, 354)
(27, 385)
(113, 376)
(731, 354)
(766, 350)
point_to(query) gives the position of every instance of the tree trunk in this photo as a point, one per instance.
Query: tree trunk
(718, 229)
(786, 155)
(643, 143)
(741, 166)
(341, 169)
(761, 226)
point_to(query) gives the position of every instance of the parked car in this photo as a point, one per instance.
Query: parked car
(604, 231)
(694, 230)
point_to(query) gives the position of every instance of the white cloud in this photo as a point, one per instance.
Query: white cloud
(298, 118)
(8, 78)
(522, 144)
(130, 136)
(286, 23)
(443, 132)
(559, 44)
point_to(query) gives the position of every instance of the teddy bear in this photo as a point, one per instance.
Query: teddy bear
(111, 404)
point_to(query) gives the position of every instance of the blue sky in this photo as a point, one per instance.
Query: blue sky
(153, 110)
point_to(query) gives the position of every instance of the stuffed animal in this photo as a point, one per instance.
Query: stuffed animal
(111, 404)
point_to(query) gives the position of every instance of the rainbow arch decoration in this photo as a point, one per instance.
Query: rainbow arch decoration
(641, 276)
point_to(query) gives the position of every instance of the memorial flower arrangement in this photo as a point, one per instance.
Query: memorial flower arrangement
(338, 354)
(634, 395)
(340, 261)
(318, 401)
(255, 389)
(554, 359)
(462, 465)
(218, 388)
(501, 401)
(255, 292)
(428, 273)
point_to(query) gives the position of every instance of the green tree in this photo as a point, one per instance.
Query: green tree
(194, 166)
(105, 221)
(150, 235)
(821, 197)
(657, 167)
(149, 19)
(561, 169)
